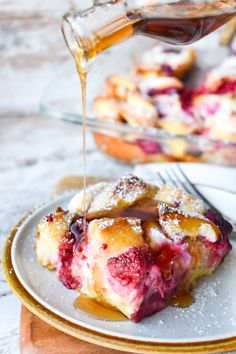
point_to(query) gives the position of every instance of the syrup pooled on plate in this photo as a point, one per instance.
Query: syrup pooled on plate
(183, 298)
(99, 310)
(105, 312)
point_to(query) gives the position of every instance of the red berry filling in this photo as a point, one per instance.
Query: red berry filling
(149, 147)
(104, 246)
(49, 218)
(68, 247)
(66, 252)
(213, 108)
(130, 266)
(168, 70)
(227, 86)
(166, 256)
(186, 97)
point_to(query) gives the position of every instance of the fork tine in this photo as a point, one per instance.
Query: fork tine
(176, 181)
(180, 180)
(161, 178)
(170, 175)
(181, 184)
(172, 180)
(189, 185)
(196, 192)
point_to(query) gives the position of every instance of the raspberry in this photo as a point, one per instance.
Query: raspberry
(227, 87)
(65, 258)
(186, 97)
(49, 218)
(130, 266)
(168, 70)
(149, 147)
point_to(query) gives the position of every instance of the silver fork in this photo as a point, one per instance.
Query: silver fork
(178, 178)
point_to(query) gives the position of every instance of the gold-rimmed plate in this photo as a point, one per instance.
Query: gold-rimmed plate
(207, 326)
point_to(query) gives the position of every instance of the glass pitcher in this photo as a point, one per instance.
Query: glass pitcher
(107, 22)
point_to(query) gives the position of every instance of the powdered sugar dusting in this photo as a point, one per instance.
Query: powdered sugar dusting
(129, 188)
(164, 208)
(122, 193)
(104, 223)
(176, 197)
(136, 226)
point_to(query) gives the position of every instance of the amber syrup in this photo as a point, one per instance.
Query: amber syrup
(99, 310)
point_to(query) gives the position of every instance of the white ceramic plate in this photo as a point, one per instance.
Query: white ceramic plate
(212, 316)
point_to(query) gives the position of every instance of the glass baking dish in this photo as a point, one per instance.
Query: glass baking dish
(62, 100)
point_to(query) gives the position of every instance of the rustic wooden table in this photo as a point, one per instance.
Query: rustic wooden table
(35, 152)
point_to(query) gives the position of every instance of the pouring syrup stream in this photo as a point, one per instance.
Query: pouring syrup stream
(81, 69)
